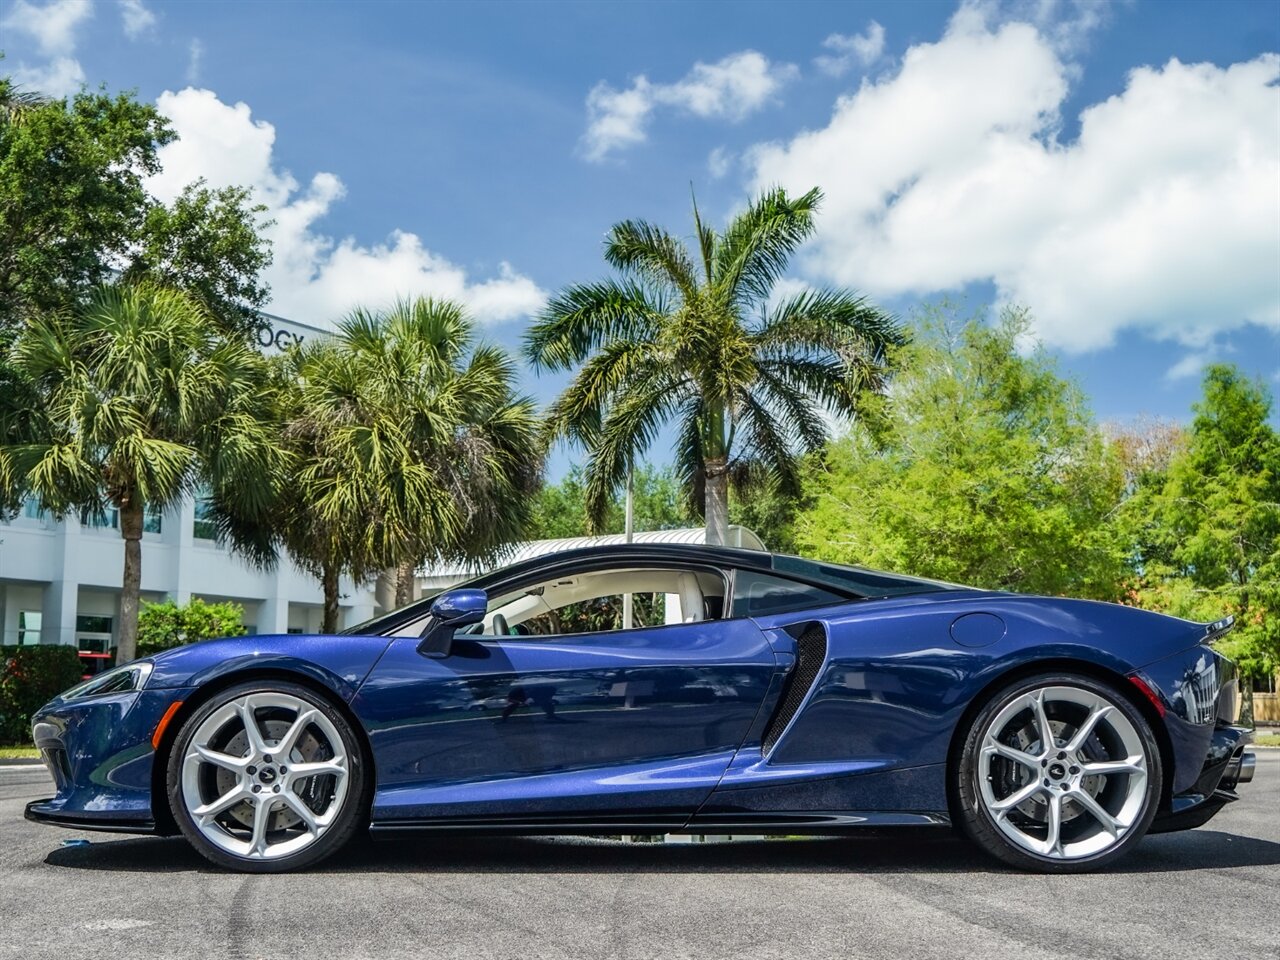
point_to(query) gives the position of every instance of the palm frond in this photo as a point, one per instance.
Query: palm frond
(757, 246)
(652, 253)
(582, 318)
(629, 427)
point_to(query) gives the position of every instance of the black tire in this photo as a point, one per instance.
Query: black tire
(978, 823)
(349, 819)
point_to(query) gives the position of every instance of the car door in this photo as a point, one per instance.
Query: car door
(625, 726)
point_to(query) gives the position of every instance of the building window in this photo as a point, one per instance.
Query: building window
(93, 633)
(108, 519)
(29, 622)
(203, 527)
(31, 509)
(86, 624)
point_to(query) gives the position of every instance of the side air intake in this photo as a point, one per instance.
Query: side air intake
(811, 653)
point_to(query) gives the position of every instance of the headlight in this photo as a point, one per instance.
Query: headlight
(131, 676)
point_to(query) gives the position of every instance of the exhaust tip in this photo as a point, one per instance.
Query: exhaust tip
(1239, 770)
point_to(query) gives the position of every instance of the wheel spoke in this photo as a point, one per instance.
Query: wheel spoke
(1109, 823)
(301, 771)
(305, 813)
(252, 732)
(1014, 754)
(289, 742)
(1018, 796)
(1053, 834)
(1042, 723)
(229, 799)
(1098, 713)
(224, 760)
(1108, 767)
(261, 817)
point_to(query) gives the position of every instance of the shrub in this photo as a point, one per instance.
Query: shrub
(30, 677)
(162, 626)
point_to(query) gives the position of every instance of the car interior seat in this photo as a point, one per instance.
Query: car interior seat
(692, 606)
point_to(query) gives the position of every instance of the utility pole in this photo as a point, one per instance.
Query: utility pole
(630, 529)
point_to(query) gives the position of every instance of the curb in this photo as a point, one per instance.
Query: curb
(15, 762)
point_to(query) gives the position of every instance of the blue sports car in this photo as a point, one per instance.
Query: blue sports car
(744, 692)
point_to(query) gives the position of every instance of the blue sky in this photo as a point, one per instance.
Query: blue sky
(1115, 167)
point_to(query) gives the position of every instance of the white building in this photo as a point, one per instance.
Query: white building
(60, 580)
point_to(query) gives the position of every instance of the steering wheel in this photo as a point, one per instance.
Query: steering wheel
(500, 626)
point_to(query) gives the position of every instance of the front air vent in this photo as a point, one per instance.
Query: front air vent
(811, 653)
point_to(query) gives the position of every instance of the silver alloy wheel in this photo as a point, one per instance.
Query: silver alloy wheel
(265, 775)
(1063, 772)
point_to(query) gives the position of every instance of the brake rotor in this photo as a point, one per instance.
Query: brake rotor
(308, 749)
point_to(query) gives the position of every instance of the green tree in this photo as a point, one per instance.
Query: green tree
(132, 401)
(559, 510)
(1207, 527)
(408, 443)
(162, 626)
(982, 465)
(74, 210)
(694, 338)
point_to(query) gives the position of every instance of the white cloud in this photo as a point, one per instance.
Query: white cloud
(730, 89)
(1164, 214)
(861, 50)
(1067, 24)
(60, 77)
(718, 162)
(137, 19)
(195, 60)
(315, 278)
(52, 26)
(1189, 366)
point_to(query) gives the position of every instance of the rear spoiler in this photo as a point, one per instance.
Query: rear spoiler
(1218, 629)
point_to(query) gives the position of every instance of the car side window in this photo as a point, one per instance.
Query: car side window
(758, 594)
(592, 602)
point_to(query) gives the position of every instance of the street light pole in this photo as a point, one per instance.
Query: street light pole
(630, 529)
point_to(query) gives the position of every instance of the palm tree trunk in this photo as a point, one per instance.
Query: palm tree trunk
(716, 504)
(329, 580)
(131, 585)
(406, 574)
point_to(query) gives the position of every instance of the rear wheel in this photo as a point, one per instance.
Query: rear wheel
(267, 776)
(1059, 774)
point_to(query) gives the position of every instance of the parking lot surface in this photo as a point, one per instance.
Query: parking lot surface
(1211, 892)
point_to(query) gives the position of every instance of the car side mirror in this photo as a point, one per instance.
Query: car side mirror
(451, 610)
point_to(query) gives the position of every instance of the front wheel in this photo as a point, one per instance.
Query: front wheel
(266, 777)
(1059, 774)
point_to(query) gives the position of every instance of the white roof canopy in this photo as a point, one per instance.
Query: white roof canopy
(444, 574)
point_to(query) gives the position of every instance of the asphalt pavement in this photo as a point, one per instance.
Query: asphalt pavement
(1210, 892)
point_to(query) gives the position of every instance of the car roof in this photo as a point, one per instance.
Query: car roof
(855, 583)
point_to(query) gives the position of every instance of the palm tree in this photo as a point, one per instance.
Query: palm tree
(697, 339)
(17, 104)
(420, 364)
(133, 400)
(408, 443)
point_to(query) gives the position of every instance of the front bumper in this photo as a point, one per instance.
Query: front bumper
(47, 811)
(98, 752)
